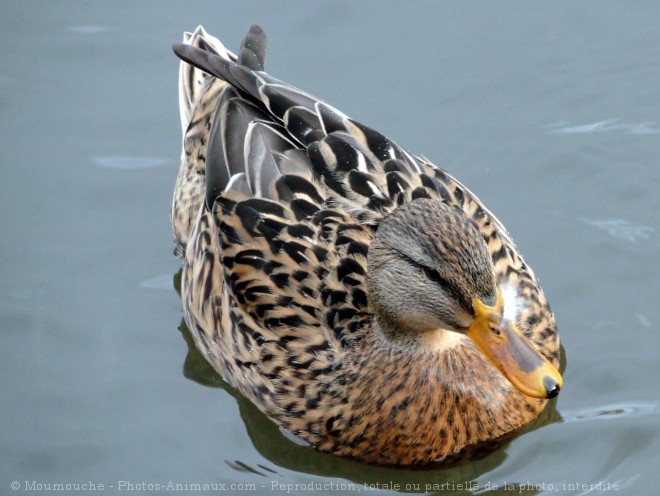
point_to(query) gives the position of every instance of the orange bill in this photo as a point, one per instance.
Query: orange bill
(503, 344)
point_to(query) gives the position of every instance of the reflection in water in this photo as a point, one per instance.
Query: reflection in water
(281, 450)
(239, 466)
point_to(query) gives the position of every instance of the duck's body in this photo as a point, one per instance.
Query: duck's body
(277, 220)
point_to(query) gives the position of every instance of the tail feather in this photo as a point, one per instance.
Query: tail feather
(253, 49)
(288, 146)
(192, 80)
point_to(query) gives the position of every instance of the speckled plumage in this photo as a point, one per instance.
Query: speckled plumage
(276, 205)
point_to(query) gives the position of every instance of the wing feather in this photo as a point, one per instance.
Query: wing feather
(296, 190)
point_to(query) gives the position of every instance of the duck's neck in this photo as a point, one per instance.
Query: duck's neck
(415, 337)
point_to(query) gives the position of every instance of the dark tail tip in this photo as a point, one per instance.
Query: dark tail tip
(253, 49)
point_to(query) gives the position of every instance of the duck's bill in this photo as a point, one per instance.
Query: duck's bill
(503, 344)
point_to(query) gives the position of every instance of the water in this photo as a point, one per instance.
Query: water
(549, 112)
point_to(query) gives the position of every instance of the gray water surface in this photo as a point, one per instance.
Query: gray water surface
(549, 112)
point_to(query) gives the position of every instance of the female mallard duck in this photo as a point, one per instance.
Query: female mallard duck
(361, 297)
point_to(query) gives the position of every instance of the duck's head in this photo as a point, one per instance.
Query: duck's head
(431, 276)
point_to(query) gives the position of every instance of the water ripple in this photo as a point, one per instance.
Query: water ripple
(163, 281)
(240, 466)
(608, 125)
(608, 412)
(620, 228)
(293, 438)
(88, 29)
(129, 162)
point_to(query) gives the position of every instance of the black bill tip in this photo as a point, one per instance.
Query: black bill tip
(551, 386)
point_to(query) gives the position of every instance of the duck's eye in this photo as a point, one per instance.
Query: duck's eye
(447, 288)
(435, 276)
(495, 330)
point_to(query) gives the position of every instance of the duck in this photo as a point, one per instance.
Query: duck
(361, 297)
